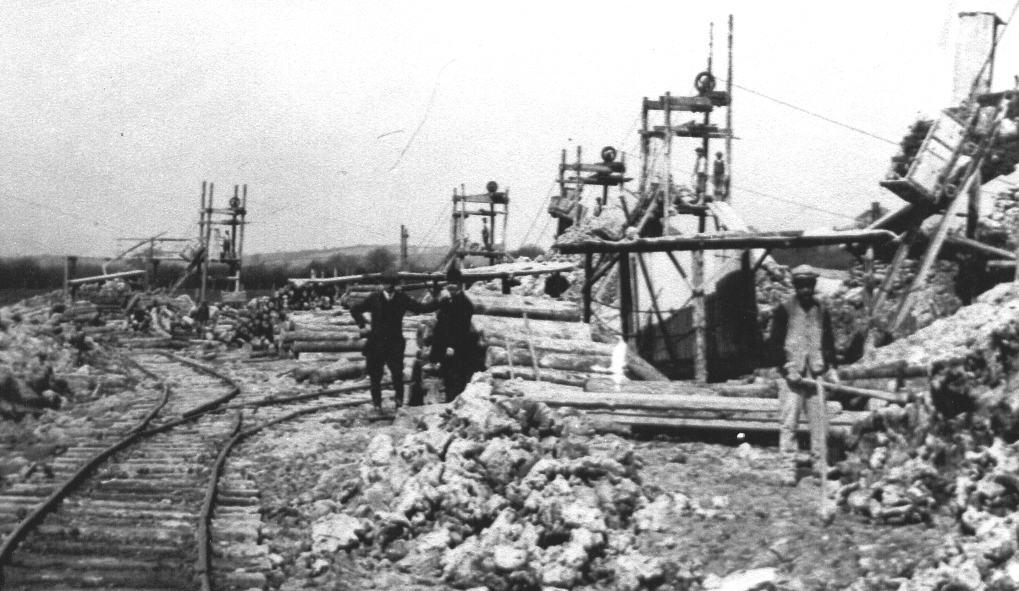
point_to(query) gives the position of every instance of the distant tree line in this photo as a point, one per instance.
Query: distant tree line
(32, 273)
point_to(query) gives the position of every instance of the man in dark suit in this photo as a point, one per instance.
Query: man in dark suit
(385, 343)
(454, 345)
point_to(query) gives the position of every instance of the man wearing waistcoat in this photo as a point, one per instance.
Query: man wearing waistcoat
(802, 329)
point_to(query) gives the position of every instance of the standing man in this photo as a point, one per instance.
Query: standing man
(802, 330)
(486, 235)
(718, 177)
(454, 347)
(700, 175)
(385, 343)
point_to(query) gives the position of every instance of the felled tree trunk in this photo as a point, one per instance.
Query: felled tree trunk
(763, 407)
(344, 370)
(521, 357)
(768, 390)
(534, 308)
(498, 328)
(552, 376)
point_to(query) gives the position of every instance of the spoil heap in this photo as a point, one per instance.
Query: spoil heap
(997, 228)
(508, 495)
(952, 452)
(46, 360)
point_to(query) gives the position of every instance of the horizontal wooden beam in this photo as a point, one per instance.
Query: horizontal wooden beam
(680, 131)
(728, 241)
(108, 277)
(476, 274)
(980, 248)
(605, 181)
(495, 198)
(845, 420)
(615, 167)
(694, 104)
(484, 212)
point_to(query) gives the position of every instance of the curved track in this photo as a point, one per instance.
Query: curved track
(150, 511)
(124, 515)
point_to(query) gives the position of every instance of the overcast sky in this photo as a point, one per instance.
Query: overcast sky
(347, 119)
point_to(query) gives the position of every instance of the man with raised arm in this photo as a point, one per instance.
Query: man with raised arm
(385, 343)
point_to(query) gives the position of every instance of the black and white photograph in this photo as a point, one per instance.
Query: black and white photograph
(509, 296)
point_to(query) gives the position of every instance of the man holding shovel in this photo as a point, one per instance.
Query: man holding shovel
(802, 330)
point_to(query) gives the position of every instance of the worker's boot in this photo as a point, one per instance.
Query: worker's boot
(398, 397)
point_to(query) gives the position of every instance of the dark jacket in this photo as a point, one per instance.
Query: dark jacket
(453, 328)
(387, 320)
(780, 328)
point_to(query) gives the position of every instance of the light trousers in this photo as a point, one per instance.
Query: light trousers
(792, 398)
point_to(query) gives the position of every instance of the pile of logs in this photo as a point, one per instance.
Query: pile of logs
(685, 406)
(81, 312)
(335, 334)
(534, 308)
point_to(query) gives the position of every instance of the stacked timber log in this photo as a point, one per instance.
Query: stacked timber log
(535, 308)
(567, 350)
(80, 312)
(764, 389)
(688, 406)
(542, 339)
(761, 389)
(318, 333)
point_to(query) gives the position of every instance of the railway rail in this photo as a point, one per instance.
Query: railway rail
(157, 508)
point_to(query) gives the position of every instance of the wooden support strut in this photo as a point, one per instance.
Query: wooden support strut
(893, 269)
(530, 349)
(509, 357)
(669, 345)
(937, 241)
(586, 288)
(699, 316)
(625, 297)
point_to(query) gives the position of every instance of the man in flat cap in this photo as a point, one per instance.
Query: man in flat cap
(803, 335)
(454, 346)
(385, 343)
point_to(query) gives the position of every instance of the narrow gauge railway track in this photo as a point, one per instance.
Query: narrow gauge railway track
(123, 514)
(138, 514)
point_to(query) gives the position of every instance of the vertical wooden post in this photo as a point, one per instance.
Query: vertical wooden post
(454, 224)
(150, 275)
(728, 120)
(207, 239)
(505, 220)
(635, 319)
(700, 342)
(562, 175)
(645, 148)
(203, 244)
(240, 244)
(625, 296)
(667, 105)
(463, 220)
(69, 263)
(403, 247)
(586, 290)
